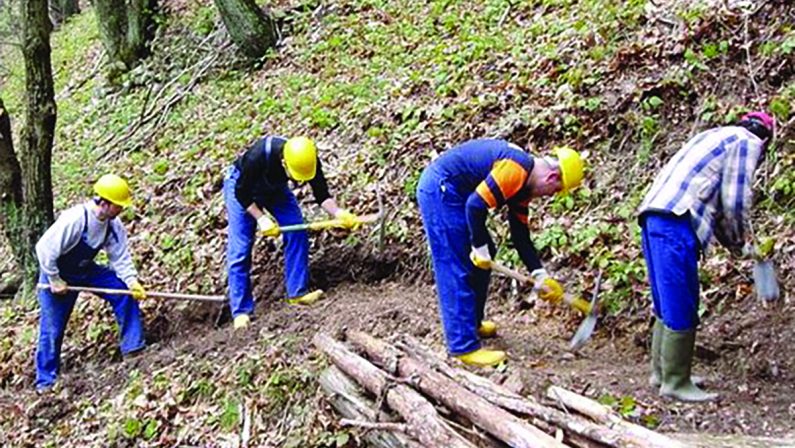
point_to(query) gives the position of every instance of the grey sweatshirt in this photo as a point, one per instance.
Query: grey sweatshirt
(65, 233)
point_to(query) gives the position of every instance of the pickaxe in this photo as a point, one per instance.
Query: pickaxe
(164, 295)
(329, 223)
(591, 310)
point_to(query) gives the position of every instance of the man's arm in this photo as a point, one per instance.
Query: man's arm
(736, 192)
(520, 235)
(119, 254)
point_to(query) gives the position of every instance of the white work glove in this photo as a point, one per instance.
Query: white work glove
(481, 257)
(267, 227)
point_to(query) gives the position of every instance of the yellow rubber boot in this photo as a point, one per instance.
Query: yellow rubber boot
(241, 321)
(307, 299)
(483, 358)
(487, 329)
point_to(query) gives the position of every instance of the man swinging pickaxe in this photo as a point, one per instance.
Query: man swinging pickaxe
(591, 310)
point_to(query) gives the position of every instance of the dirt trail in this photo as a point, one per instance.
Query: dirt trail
(757, 396)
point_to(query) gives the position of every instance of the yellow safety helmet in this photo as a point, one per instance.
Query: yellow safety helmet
(571, 167)
(300, 158)
(114, 189)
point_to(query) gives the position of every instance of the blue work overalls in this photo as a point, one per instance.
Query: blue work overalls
(283, 205)
(77, 268)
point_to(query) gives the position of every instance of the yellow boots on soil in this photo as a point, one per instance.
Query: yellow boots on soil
(307, 299)
(483, 358)
(488, 329)
(241, 321)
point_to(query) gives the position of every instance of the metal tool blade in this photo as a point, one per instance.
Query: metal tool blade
(588, 325)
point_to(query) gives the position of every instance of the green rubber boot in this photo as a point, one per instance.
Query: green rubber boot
(655, 379)
(656, 343)
(676, 360)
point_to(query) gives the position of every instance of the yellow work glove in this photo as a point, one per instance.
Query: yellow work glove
(138, 291)
(348, 219)
(58, 286)
(548, 288)
(481, 257)
(267, 227)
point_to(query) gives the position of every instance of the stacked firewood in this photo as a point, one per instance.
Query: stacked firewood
(439, 405)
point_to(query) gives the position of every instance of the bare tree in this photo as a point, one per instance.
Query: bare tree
(252, 29)
(35, 155)
(61, 10)
(126, 29)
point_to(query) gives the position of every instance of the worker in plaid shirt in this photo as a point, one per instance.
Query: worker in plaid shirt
(704, 190)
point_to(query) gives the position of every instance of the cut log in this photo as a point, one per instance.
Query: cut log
(425, 424)
(349, 400)
(568, 400)
(700, 440)
(504, 398)
(497, 421)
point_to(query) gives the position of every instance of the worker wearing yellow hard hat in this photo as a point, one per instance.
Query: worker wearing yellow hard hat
(455, 193)
(66, 255)
(255, 186)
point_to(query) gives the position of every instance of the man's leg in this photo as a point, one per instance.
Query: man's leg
(674, 249)
(447, 234)
(125, 309)
(53, 317)
(284, 207)
(240, 241)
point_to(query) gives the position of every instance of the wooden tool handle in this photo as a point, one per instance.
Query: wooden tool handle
(328, 224)
(164, 295)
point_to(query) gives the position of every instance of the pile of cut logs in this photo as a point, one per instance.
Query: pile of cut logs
(438, 405)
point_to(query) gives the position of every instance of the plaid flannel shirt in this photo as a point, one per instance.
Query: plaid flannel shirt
(710, 178)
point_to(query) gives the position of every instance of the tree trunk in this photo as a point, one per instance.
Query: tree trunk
(61, 10)
(347, 398)
(252, 30)
(497, 421)
(426, 424)
(112, 22)
(10, 190)
(36, 151)
(140, 27)
(504, 398)
(125, 29)
(568, 400)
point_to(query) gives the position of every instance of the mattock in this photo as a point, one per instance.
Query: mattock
(590, 309)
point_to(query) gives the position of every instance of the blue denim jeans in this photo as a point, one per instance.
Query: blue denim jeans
(56, 309)
(671, 249)
(283, 205)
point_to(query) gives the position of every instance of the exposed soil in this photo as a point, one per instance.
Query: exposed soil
(745, 353)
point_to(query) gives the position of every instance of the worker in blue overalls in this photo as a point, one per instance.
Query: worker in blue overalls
(455, 193)
(257, 181)
(66, 254)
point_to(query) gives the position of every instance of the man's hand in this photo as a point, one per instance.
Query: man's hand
(138, 291)
(547, 287)
(267, 227)
(481, 257)
(348, 219)
(58, 286)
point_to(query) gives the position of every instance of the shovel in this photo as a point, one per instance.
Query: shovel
(164, 295)
(585, 331)
(765, 282)
(591, 310)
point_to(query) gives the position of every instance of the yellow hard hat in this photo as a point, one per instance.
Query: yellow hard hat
(114, 189)
(300, 158)
(571, 167)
